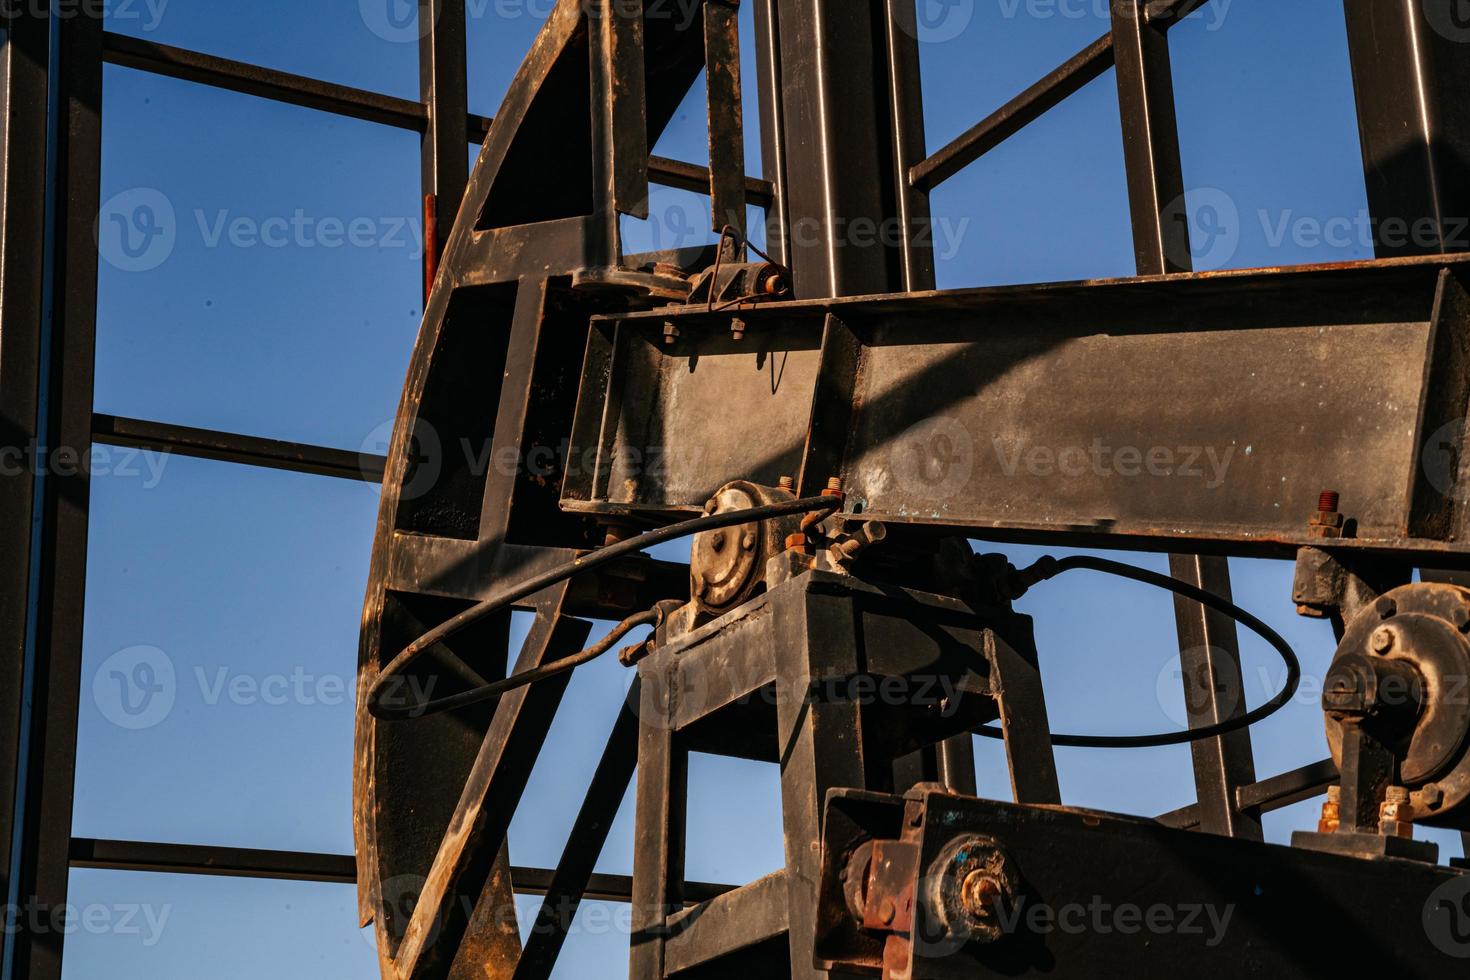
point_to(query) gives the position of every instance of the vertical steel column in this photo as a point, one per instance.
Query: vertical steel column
(845, 118)
(1411, 70)
(661, 815)
(66, 397)
(1150, 142)
(773, 132)
(821, 744)
(24, 60)
(906, 119)
(726, 125)
(444, 89)
(839, 158)
(1214, 691)
(1209, 650)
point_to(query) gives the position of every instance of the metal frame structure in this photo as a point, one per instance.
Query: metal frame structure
(842, 126)
(1414, 129)
(51, 100)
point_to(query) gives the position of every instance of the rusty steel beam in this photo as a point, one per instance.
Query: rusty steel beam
(1088, 65)
(922, 384)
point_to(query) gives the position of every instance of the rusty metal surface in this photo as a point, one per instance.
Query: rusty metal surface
(1013, 412)
(605, 405)
(1234, 907)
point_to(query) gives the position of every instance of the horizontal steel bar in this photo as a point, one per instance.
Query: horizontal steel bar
(241, 862)
(238, 862)
(229, 447)
(266, 83)
(1088, 64)
(343, 100)
(692, 177)
(1267, 794)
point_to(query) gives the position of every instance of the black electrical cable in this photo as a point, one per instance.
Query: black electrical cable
(1049, 567)
(485, 692)
(536, 583)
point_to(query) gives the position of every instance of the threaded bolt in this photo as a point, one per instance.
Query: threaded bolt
(786, 483)
(1328, 500)
(1396, 794)
(834, 483)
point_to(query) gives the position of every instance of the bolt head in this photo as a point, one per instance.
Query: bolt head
(1432, 795)
(1461, 618)
(747, 540)
(981, 892)
(1382, 641)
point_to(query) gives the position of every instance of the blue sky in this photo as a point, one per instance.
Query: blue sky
(249, 582)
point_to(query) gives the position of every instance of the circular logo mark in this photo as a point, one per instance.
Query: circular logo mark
(1449, 18)
(1196, 688)
(933, 459)
(1213, 221)
(660, 700)
(939, 21)
(425, 457)
(395, 21)
(135, 687)
(1447, 917)
(1441, 458)
(136, 230)
(400, 898)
